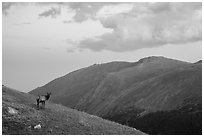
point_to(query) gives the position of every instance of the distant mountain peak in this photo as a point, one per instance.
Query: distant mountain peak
(198, 62)
(158, 59)
(151, 58)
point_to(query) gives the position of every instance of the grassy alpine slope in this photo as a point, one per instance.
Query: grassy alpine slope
(138, 94)
(20, 116)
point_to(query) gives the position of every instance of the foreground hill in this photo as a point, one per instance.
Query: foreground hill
(128, 92)
(20, 116)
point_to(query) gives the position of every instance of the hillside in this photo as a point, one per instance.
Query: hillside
(71, 88)
(94, 88)
(127, 92)
(168, 104)
(166, 91)
(117, 84)
(20, 116)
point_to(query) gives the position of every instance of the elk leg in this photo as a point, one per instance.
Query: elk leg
(37, 104)
(44, 104)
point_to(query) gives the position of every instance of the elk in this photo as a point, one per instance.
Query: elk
(42, 98)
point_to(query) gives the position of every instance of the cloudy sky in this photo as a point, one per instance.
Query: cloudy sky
(43, 41)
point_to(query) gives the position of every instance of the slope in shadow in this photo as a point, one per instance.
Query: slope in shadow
(184, 121)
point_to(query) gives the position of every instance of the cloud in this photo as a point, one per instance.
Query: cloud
(149, 25)
(5, 7)
(116, 43)
(46, 48)
(70, 50)
(67, 21)
(88, 10)
(49, 3)
(52, 12)
(84, 11)
(26, 23)
(23, 23)
(132, 25)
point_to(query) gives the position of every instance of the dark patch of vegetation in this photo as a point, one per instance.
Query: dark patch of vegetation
(184, 121)
(124, 116)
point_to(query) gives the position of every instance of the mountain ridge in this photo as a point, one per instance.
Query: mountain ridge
(150, 85)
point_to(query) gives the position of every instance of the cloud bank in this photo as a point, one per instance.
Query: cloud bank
(149, 25)
(133, 25)
(5, 7)
(52, 12)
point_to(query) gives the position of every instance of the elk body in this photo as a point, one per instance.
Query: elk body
(42, 98)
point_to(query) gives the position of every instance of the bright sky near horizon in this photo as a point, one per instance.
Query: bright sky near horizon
(43, 41)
